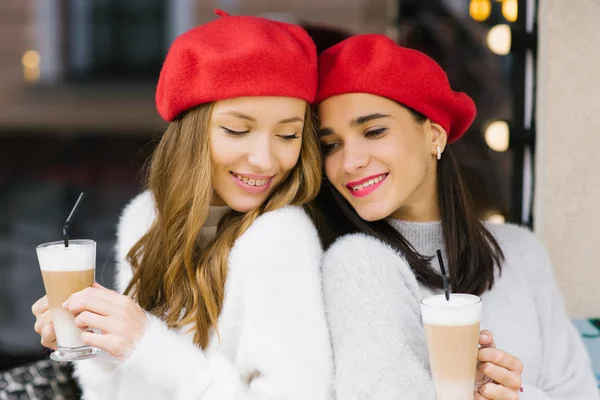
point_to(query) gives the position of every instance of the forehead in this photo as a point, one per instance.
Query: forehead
(267, 107)
(344, 107)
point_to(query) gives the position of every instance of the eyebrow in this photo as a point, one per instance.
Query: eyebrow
(355, 122)
(249, 118)
(366, 118)
(325, 132)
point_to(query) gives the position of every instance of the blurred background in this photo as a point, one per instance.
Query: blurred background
(77, 80)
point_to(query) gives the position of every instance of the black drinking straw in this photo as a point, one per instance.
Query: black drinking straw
(444, 276)
(70, 217)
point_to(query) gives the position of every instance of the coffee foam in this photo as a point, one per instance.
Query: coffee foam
(79, 256)
(461, 310)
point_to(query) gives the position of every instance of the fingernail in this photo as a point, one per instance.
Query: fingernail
(65, 304)
(483, 336)
(521, 389)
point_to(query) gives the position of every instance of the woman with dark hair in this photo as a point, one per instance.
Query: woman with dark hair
(392, 197)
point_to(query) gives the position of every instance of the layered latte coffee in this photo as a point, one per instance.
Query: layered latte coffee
(452, 333)
(66, 270)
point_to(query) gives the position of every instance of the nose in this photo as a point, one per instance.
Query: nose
(260, 154)
(355, 157)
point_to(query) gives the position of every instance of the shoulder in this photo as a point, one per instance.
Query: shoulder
(522, 248)
(511, 232)
(363, 257)
(281, 239)
(283, 218)
(517, 238)
(286, 225)
(358, 250)
(278, 257)
(135, 220)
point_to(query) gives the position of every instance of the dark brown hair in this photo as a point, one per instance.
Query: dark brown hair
(472, 252)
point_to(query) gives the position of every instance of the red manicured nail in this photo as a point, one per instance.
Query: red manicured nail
(521, 389)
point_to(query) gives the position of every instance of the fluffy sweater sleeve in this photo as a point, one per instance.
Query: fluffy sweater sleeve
(98, 377)
(283, 348)
(371, 299)
(567, 373)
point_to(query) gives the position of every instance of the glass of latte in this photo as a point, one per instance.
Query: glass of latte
(452, 333)
(67, 270)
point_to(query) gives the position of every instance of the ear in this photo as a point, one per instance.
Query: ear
(438, 138)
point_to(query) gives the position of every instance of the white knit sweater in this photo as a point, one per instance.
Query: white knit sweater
(274, 342)
(372, 301)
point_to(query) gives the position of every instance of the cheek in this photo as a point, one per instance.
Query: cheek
(287, 155)
(332, 166)
(224, 153)
(409, 168)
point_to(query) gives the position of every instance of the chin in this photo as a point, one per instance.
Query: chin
(245, 204)
(371, 213)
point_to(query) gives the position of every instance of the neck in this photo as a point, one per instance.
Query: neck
(215, 213)
(422, 205)
(417, 213)
(217, 201)
(209, 229)
(425, 237)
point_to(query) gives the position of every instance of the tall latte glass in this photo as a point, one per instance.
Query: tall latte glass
(67, 270)
(452, 331)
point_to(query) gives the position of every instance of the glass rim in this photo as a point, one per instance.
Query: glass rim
(463, 295)
(80, 242)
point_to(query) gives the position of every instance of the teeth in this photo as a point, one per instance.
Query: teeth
(250, 181)
(369, 183)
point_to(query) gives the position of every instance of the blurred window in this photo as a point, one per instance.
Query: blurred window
(115, 39)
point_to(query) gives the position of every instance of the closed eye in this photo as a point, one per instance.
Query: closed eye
(234, 133)
(289, 137)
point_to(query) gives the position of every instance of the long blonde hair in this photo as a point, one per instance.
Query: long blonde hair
(173, 278)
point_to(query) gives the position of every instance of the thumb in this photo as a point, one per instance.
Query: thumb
(486, 339)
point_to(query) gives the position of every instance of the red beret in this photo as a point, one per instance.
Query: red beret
(375, 64)
(236, 56)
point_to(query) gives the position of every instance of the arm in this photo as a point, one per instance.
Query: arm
(283, 345)
(283, 349)
(372, 303)
(567, 373)
(96, 376)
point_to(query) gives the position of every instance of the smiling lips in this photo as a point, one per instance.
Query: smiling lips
(253, 184)
(366, 186)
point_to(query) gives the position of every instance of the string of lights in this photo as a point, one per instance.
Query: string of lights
(516, 37)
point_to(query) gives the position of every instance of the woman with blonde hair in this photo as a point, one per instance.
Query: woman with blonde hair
(217, 260)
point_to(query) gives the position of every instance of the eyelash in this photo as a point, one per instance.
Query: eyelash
(242, 133)
(234, 133)
(374, 134)
(329, 147)
(290, 137)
